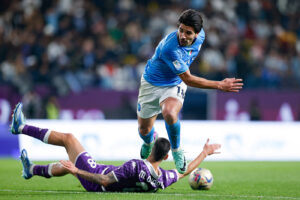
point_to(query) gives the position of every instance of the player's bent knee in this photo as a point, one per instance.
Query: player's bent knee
(73, 146)
(170, 116)
(144, 130)
(69, 138)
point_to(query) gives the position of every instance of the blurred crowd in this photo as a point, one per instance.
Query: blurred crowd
(70, 45)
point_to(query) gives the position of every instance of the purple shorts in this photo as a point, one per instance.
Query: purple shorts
(85, 162)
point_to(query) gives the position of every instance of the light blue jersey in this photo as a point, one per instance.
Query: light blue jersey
(170, 60)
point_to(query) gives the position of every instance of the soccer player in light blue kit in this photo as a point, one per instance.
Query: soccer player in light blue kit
(164, 83)
(135, 175)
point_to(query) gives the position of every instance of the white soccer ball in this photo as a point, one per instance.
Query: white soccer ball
(201, 179)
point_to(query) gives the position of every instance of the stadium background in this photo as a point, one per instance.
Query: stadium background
(83, 60)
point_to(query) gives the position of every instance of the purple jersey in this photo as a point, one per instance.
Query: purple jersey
(133, 176)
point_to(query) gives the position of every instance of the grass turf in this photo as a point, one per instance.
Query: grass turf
(232, 180)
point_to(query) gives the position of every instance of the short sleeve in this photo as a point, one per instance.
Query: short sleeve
(174, 60)
(169, 177)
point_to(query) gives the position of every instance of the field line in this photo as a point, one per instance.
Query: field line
(45, 191)
(159, 194)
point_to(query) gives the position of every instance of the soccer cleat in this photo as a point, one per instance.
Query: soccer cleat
(147, 148)
(180, 161)
(26, 164)
(18, 119)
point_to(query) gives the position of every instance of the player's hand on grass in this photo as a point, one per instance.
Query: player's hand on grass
(69, 166)
(210, 149)
(231, 85)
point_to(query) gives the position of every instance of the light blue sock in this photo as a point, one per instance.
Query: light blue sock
(149, 137)
(174, 134)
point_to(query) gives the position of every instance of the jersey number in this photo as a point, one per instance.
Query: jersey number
(92, 163)
(180, 92)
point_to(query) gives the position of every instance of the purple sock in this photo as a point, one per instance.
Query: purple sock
(35, 132)
(41, 170)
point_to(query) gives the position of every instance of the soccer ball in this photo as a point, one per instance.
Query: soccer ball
(201, 179)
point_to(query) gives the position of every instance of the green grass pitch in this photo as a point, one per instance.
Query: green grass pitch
(232, 180)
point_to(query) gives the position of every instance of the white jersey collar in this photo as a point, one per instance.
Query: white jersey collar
(152, 170)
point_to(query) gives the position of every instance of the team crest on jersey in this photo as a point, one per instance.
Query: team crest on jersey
(176, 63)
(190, 52)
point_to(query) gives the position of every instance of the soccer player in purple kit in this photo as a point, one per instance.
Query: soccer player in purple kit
(165, 80)
(135, 175)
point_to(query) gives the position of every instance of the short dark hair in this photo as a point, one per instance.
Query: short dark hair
(191, 18)
(161, 148)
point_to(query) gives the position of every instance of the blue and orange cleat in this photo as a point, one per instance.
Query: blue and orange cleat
(26, 164)
(18, 119)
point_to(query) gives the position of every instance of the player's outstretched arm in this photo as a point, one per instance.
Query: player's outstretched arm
(100, 179)
(208, 149)
(226, 85)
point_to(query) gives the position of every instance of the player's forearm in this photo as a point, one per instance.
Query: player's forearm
(195, 163)
(199, 82)
(95, 178)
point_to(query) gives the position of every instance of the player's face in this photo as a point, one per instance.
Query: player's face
(186, 35)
